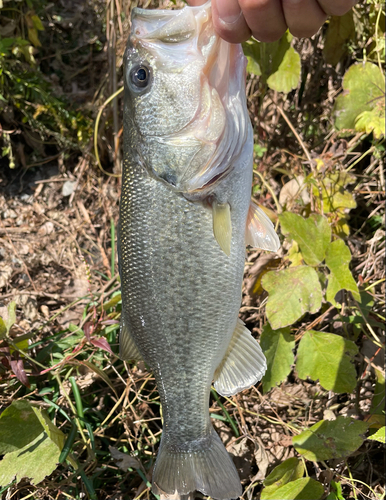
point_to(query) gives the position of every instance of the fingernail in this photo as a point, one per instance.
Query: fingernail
(228, 11)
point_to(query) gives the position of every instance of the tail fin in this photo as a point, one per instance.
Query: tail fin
(205, 466)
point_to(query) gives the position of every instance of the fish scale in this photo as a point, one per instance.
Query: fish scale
(185, 214)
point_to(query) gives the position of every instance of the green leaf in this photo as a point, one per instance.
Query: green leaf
(378, 402)
(18, 426)
(36, 460)
(330, 439)
(287, 77)
(277, 346)
(3, 329)
(338, 257)
(289, 470)
(363, 91)
(313, 235)
(276, 61)
(336, 492)
(292, 293)
(30, 441)
(327, 357)
(301, 489)
(379, 436)
(340, 30)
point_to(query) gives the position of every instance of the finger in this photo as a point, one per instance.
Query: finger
(229, 22)
(336, 7)
(194, 3)
(303, 17)
(265, 19)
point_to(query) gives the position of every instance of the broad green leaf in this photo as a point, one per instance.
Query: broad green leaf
(330, 439)
(327, 357)
(253, 66)
(363, 91)
(292, 293)
(313, 235)
(267, 59)
(36, 460)
(277, 346)
(30, 441)
(379, 435)
(287, 77)
(289, 470)
(55, 434)
(338, 257)
(18, 426)
(340, 30)
(372, 121)
(305, 488)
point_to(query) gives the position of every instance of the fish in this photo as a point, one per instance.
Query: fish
(185, 219)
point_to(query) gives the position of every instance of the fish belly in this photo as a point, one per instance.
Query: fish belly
(181, 295)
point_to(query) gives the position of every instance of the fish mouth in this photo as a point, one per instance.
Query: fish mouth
(218, 129)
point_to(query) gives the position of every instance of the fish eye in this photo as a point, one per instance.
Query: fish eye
(140, 77)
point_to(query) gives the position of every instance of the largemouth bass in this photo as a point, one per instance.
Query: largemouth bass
(185, 219)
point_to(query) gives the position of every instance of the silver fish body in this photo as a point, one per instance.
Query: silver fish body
(188, 147)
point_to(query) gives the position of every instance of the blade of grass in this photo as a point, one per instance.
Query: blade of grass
(232, 423)
(112, 230)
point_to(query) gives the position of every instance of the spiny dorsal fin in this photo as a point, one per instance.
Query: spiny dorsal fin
(243, 365)
(222, 226)
(127, 347)
(260, 232)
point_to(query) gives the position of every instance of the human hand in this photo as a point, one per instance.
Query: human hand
(267, 20)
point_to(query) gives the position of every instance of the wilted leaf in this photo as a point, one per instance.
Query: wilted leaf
(300, 489)
(286, 78)
(338, 257)
(313, 235)
(340, 30)
(292, 293)
(123, 460)
(363, 91)
(17, 366)
(294, 189)
(277, 346)
(327, 357)
(330, 439)
(379, 436)
(289, 470)
(30, 441)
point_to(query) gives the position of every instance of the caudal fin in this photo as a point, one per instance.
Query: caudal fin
(205, 466)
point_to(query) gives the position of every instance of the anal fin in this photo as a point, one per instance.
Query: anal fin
(243, 365)
(260, 232)
(127, 347)
(222, 226)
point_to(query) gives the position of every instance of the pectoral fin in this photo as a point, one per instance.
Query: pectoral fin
(243, 365)
(260, 232)
(127, 347)
(222, 226)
